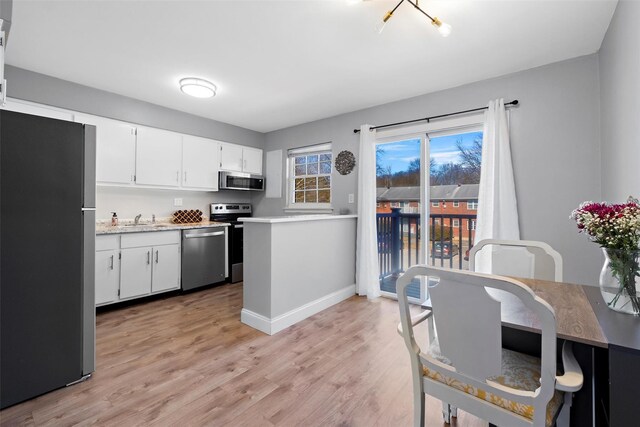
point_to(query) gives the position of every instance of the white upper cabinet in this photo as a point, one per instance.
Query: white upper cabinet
(237, 158)
(115, 149)
(252, 160)
(158, 157)
(231, 157)
(200, 163)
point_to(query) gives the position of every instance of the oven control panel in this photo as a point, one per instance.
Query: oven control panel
(230, 208)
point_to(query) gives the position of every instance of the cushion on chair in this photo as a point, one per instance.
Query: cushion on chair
(519, 371)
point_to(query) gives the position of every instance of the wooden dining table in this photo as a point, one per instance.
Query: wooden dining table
(606, 344)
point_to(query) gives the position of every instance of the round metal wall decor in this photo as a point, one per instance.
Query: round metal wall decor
(345, 162)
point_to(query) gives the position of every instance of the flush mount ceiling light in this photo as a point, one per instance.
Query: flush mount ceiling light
(443, 28)
(198, 88)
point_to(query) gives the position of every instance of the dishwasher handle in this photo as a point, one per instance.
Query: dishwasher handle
(196, 236)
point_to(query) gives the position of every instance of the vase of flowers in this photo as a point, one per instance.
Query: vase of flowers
(616, 228)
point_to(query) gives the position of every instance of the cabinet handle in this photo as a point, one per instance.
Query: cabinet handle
(177, 176)
(244, 164)
(156, 257)
(185, 176)
(111, 266)
(148, 257)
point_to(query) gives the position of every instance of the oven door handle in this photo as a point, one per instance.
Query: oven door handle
(195, 236)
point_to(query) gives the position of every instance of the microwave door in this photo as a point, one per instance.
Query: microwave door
(256, 184)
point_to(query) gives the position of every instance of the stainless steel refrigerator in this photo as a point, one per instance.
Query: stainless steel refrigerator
(47, 252)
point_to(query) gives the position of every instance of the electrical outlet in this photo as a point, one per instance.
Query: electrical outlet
(177, 202)
(351, 198)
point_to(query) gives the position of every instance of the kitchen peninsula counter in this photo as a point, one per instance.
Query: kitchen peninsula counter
(295, 267)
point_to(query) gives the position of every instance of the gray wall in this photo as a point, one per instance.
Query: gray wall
(555, 138)
(43, 89)
(620, 104)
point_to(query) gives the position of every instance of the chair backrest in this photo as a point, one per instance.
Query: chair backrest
(468, 322)
(519, 258)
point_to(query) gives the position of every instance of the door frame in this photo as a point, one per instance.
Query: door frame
(424, 132)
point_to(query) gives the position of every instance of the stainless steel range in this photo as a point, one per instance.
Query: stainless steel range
(230, 212)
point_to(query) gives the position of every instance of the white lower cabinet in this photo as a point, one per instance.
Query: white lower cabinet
(135, 272)
(143, 264)
(166, 268)
(107, 269)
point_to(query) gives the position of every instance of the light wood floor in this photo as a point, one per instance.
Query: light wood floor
(188, 360)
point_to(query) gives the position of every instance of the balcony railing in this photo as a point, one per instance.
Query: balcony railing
(399, 240)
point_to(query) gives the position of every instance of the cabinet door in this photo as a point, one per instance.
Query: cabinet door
(252, 160)
(200, 163)
(107, 276)
(135, 272)
(115, 149)
(231, 157)
(166, 268)
(158, 157)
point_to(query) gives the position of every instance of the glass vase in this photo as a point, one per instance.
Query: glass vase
(620, 280)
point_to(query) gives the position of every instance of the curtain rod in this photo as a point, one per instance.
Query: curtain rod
(514, 102)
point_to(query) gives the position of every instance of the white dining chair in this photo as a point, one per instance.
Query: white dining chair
(518, 258)
(466, 367)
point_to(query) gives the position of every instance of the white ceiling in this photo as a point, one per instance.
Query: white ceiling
(282, 63)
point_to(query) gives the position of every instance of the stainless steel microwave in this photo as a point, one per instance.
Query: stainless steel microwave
(241, 181)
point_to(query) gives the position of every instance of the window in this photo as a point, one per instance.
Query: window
(456, 204)
(395, 204)
(472, 205)
(436, 221)
(456, 222)
(435, 204)
(378, 205)
(310, 177)
(471, 224)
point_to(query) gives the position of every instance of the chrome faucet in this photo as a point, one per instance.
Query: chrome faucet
(137, 219)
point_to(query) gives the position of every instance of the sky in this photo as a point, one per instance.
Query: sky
(442, 149)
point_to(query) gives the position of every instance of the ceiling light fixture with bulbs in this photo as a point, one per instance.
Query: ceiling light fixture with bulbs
(443, 28)
(198, 88)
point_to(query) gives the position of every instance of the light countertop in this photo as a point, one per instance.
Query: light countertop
(107, 228)
(295, 218)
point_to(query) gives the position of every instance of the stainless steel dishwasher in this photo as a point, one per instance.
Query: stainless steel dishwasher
(204, 256)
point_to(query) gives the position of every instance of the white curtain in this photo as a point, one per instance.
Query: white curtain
(497, 207)
(367, 243)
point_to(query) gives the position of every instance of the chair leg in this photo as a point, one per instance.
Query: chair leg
(446, 412)
(564, 417)
(418, 410)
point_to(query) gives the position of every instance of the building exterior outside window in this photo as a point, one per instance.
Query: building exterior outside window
(310, 176)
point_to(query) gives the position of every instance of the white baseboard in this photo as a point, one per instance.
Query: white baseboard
(275, 325)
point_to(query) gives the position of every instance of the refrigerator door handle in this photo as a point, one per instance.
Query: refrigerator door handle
(88, 209)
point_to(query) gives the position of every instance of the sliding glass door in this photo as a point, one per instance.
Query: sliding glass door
(400, 187)
(427, 200)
